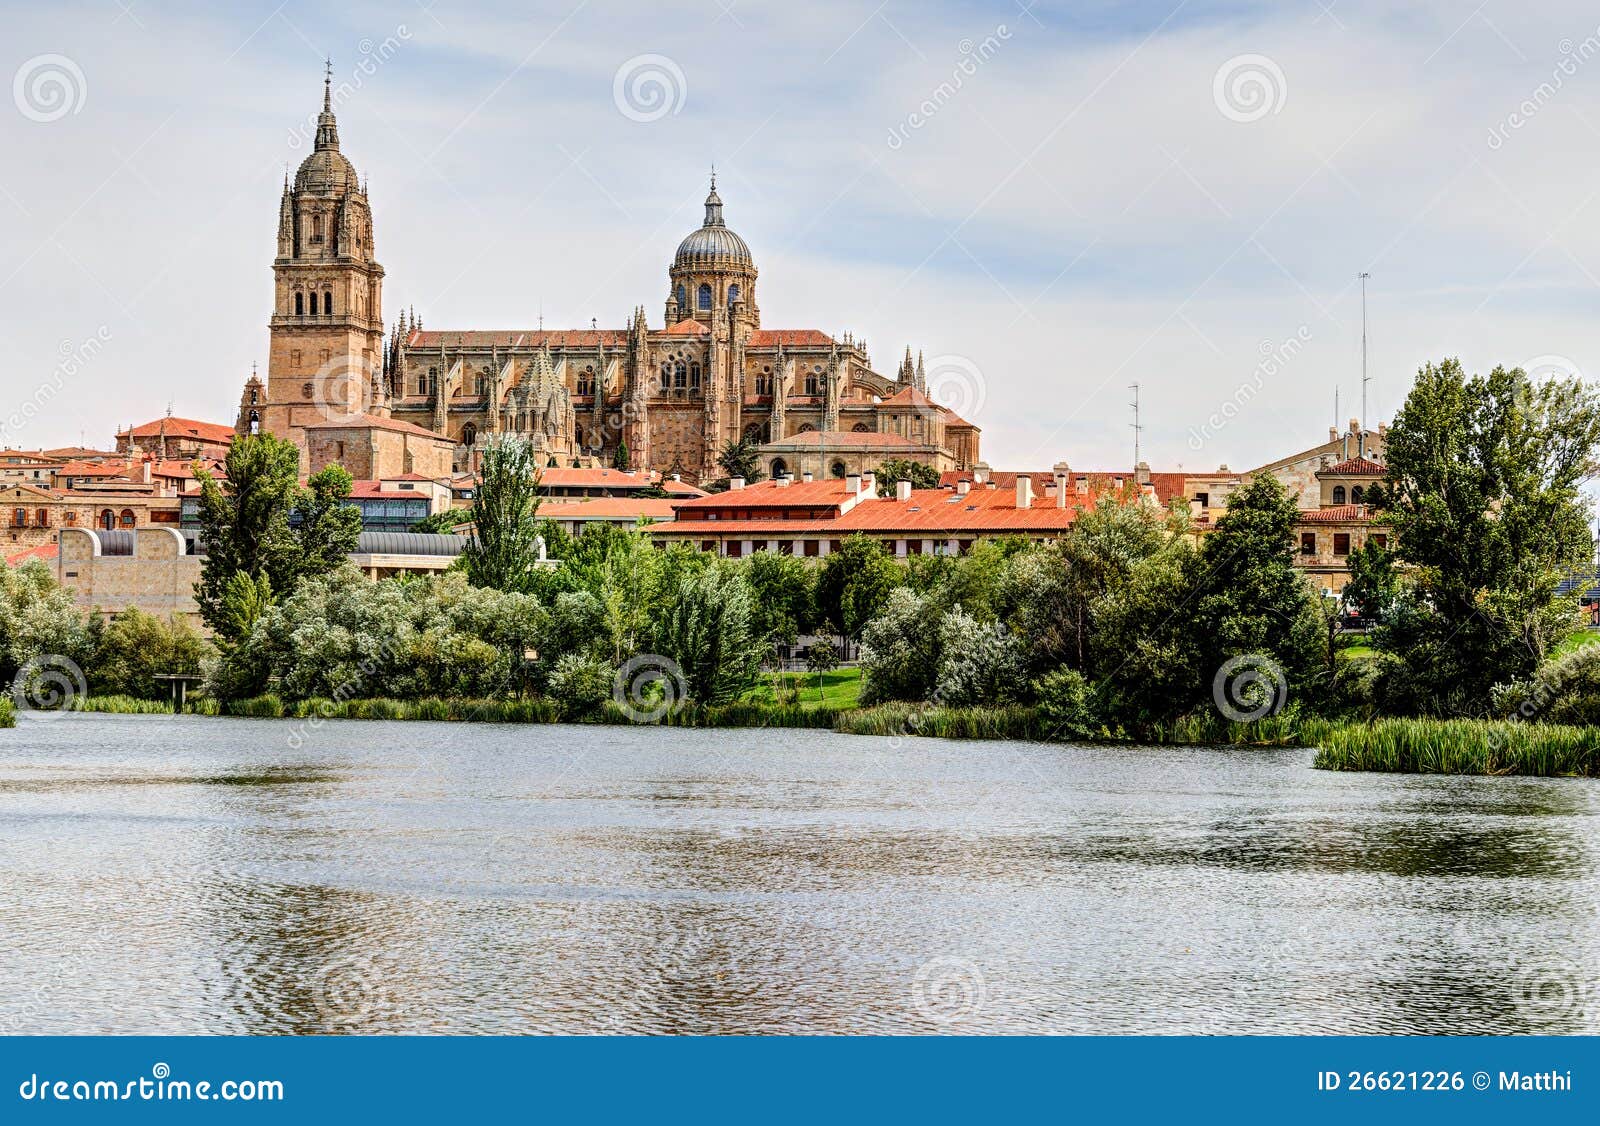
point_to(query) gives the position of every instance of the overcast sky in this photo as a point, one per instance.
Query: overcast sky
(1056, 201)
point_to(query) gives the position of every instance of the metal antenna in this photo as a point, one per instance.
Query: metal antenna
(1136, 427)
(1364, 376)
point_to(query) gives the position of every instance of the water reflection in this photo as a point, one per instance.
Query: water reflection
(214, 876)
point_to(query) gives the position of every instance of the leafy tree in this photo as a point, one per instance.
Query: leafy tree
(621, 458)
(980, 663)
(900, 650)
(784, 588)
(1101, 552)
(1143, 645)
(244, 524)
(855, 583)
(896, 469)
(1373, 584)
(38, 618)
(1484, 493)
(135, 647)
(822, 656)
(740, 458)
(442, 523)
(502, 550)
(329, 526)
(708, 629)
(580, 683)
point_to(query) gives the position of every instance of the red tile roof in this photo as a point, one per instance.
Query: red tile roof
(46, 551)
(519, 338)
(1168, 486)
(1356, 467)
(913, 398)
(790, 338)
(606, 508)
(1335, 514)
(372, 421)
(688, 327)
(94, 469)
(181, 428)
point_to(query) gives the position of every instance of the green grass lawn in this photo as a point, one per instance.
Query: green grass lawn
(1577, 640)
(840, 688)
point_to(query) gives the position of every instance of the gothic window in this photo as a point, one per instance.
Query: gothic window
(1338, 494)
(861, 428)
(327, 302)
(299, 304)
(811, 383)
(733, 295)
(780, 467)
(694, 376)
(666, 378)
(806, 428)
(586, 381)
(469, 434)
(705, 297)
(763, 384)
(680, 375)
(313, 302)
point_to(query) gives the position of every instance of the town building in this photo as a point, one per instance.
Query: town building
(176, 439)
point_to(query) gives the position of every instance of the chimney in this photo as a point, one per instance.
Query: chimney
(1083, 484)
(980, 473)
(806, 476)
(677, 477)
(1024, 491)
(869, 482)
(1333, 433)
(1061, 492)
(782, 480)
(963, 487)
(1142, 472)
(902, 490)
(144, 473)
(852, 483)
(735, 483)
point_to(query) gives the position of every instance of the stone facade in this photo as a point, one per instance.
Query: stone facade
(30, 516)
(372, 448)
(673, 395)
(158, 577)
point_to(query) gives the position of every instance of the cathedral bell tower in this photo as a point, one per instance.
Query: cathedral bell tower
(326, 361)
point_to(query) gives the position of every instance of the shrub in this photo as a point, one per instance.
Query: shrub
(135, 647)
(979, 663)
(899, 651)
(1565, 689)
(1066, 704)
(8, 716)
(579, 684)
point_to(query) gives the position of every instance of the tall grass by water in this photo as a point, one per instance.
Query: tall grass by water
(8, 714)
(1458, 746)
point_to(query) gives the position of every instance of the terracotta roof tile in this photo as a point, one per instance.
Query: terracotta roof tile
(46, 551)
(1356, 467)
(181, 428)
(606, 508)
(518, 338)
(688, 327)
(790, 338)
(1335, 514)
(822, 439)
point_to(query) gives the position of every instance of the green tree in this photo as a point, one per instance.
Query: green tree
(900, 649)
(134, 648)
(1373, 584)
(1101, 552)
(784, 587)
(1484, 494)
(244, 524)
(855, 583)
(503, 550)
(621, 458)
(327, 525)
(897, 469)
(708, 629)
(38, 618)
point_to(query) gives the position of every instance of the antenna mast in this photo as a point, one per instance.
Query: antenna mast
(1364, 376)
(1136, 427)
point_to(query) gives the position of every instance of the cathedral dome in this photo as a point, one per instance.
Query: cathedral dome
(713, 246)
(327, 170)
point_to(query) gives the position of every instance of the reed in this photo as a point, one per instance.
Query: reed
(1011, 721)
(122, 705)
(8, 713)
(1458, 746)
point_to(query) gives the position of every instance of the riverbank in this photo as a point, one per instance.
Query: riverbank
(1458, 746)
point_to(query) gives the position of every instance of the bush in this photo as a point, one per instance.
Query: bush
(1066, 704)
(1565, 689)
(579, 684)
(979, 663)
(8, 716)
(899, 651)
(135, 647)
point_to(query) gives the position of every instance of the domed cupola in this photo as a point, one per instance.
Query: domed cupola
(712, 269)
(327, 171)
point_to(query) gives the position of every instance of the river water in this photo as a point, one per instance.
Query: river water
(193, 875)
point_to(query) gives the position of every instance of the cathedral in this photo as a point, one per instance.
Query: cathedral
(667, 398)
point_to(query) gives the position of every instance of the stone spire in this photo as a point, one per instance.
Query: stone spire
(327, 127)
(714, 203)
(921, 380)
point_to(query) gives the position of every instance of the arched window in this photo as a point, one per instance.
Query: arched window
(807, 428)
(705, 297)
(1338, 494)
(316, 231)
(861, 428)
(108, 519)
(733, 295)
(666, 378)
(683, 300)
(1355, 494)
(811, 383)
(780, 468)
(299, 304)
(469, 434)
(127, 518)
(313, 303)
(255, 396)
(837, 469)
(763, 384)
(680, 375)
(327, 302)
(255, 422)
